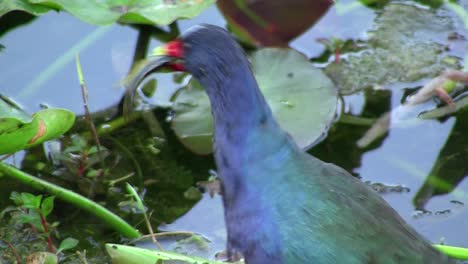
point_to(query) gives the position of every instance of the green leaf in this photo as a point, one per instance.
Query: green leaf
(23, 5)
(31, 201)
(26, 218)
(125, 254)
(16, 198)
(161, 12)
(19, 131)
(67, 243)
(136, 197)
(47, 205)
(302, 98)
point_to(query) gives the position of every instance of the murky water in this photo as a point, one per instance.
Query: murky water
(38, 67)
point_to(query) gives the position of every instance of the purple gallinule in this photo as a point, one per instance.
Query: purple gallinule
(281, 204)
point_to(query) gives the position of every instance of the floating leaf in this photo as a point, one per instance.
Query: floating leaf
(302, 99)
(22, 5)
(125, 254)
(272, 22)
(18, 131)
(161, 12)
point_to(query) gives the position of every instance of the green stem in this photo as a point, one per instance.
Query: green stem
(143, 41)
(356, 120)
(79, 201)
(454, 252)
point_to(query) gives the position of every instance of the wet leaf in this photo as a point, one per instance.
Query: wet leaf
(161, 12)
(302, 99)
(19, 131)
(22, 5)
(125, 254)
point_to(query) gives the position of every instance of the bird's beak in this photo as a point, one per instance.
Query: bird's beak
(173, 49)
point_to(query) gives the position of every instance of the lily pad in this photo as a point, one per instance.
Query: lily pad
(19, 131)
(22, 5)
(161, 12)
(303, 100)
(272, 23)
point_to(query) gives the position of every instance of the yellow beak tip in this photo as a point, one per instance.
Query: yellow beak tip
(159, 51)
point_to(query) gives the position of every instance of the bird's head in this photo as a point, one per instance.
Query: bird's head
(203, 50)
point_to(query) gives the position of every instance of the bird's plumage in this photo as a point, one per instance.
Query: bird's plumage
(281, 204)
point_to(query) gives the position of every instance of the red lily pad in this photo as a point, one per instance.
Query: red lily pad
(272, 23)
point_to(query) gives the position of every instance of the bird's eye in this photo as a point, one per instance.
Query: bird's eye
(203, 71)
(187, 46)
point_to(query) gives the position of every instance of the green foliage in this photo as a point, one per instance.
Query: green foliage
(66, 195)
(80, 158)
(121, 254)
(66, 244)
(97, 12)
(18, 130)
(33, 208)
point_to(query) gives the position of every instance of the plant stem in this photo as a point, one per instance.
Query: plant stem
(114, 221)
(84, 94)
(141, 48)
(46, 231)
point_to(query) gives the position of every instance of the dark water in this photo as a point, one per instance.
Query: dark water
(404, 157)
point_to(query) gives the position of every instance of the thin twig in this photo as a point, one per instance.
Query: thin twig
(84, 93)
(140, 206)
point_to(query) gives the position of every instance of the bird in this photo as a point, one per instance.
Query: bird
(282, 205)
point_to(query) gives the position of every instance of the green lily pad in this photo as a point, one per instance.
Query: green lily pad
(19, 131)
(22, 5)
(161, 12)
(126, 254)
(303, 100)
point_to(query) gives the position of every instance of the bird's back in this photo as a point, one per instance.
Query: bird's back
(325, 215)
